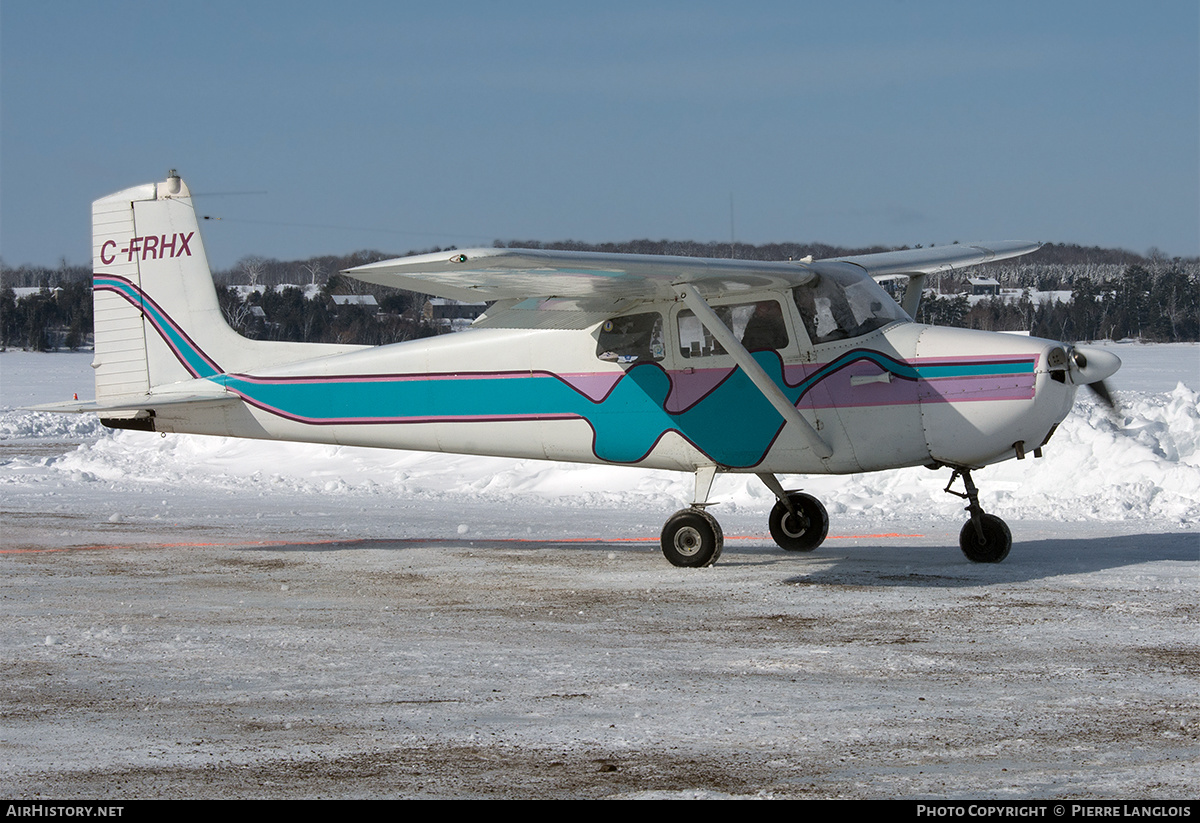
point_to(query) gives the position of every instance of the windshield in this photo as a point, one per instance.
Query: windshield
(837, 305)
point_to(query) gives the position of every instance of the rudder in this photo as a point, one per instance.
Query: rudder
(157, 319)
(152, 292)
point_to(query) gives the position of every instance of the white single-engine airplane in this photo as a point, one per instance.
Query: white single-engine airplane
(698, 365)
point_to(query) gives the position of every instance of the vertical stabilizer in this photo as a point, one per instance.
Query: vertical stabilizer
(157, 319)
(156, 312)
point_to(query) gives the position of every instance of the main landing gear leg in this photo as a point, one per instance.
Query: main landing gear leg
(985, 538)
(799, 523)
(692, 537)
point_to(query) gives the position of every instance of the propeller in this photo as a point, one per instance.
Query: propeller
(1089, 366)
(1100, 389)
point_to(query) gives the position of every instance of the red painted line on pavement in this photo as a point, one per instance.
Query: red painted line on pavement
(254, 543)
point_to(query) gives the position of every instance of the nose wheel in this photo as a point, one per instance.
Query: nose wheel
(985, 542)
(984, 538)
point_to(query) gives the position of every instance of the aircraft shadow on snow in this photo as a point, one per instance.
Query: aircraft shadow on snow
(859, 565)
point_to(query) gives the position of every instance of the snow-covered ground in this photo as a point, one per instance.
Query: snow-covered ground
(192, 616)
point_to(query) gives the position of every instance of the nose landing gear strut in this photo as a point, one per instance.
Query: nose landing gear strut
(985, 538)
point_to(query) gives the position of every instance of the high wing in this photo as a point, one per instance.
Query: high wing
(936, 258)
(916, 264)
(585, 286)
(504, 274)
(537, 289)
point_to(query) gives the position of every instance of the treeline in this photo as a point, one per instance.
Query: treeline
(1114, 294)
(1162, 306)
(46, 320)
(1156, 307)
(286, 314)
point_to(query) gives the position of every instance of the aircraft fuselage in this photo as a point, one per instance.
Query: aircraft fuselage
(905, 394)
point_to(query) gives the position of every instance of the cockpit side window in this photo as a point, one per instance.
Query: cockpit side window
(763, 328)
(631, 339)
(757, 325)
(836, 306)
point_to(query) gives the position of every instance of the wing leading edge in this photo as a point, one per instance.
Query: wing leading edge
(594, 279)
(937, 258)
(517, 274)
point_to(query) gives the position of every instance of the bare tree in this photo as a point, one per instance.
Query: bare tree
(252, 268)
(314, 268)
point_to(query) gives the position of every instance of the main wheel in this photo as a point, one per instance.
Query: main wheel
(803, 531)
(994, 546)
(692, 538)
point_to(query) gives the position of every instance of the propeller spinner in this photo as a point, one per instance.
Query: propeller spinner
(1086, 366)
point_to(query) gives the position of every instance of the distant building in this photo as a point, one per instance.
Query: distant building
(367, 301)
(893, 284)
(21, 292)
(311, 291)
(244, 292)
(984, 286)
(439, 311)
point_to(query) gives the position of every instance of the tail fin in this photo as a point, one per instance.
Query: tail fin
(157, 319)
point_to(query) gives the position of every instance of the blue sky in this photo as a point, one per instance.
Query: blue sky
(397, 126)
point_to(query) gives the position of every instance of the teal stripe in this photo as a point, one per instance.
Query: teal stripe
(734, 424)
(171, 333)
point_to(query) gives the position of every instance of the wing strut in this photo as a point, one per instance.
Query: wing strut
(912, 294)
(692, 299)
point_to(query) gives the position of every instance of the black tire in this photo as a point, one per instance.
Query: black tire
(692, 538)
(994, 546)
(804, 531)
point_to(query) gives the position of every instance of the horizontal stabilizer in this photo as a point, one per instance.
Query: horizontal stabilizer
(147, 403)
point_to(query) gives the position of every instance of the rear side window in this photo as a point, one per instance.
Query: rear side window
(631, 339)
(759, 326)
